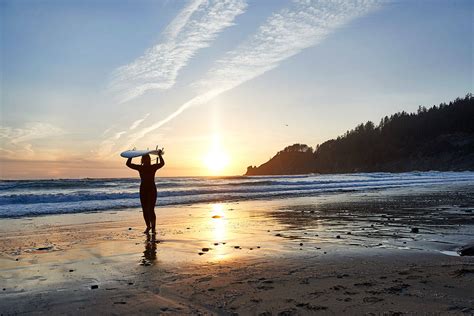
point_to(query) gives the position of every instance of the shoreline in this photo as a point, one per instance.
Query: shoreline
(340, 253)
(38, 198)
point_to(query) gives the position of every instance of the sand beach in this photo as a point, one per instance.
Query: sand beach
(390, 252)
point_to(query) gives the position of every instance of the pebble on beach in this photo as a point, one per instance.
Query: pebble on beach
(415, 230)
(95, 286)
(205, 249)
(45, 248)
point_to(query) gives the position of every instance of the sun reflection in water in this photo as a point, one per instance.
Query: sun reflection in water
(219, 231)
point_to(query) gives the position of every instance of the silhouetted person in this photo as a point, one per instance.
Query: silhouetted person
(148, 188)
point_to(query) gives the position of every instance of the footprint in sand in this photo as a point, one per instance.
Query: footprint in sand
(372, 299)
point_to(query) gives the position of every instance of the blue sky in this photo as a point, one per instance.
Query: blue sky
(73, 83)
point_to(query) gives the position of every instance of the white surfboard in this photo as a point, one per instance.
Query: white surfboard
(137, 153)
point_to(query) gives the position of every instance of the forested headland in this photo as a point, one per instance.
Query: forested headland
(436, 138)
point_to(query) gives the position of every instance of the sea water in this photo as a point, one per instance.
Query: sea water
(56, 196)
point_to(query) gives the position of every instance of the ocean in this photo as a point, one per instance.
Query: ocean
(19, 198)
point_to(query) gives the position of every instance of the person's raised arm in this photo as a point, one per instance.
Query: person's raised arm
(132, 165)
(162, 161)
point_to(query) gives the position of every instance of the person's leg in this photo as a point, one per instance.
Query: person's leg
(143, 201)
(152, 220)
(152, 215)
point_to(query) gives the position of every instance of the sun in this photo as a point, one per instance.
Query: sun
(216, 160)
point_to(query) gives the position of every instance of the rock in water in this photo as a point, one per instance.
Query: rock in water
(467, 250)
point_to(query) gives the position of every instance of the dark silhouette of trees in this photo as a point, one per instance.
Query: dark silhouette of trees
(438, 138)
(302, 148)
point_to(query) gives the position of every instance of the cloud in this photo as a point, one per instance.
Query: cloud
(30, 131)
(16, 141)
(283, 35)
(138, 122)
(194, 28)
(107, 145)
(118, 135)
(201, 99)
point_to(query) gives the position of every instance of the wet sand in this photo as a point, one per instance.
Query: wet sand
(390, 252)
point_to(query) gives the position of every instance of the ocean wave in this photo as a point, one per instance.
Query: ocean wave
(27, 198)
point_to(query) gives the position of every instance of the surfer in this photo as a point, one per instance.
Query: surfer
(148, 188)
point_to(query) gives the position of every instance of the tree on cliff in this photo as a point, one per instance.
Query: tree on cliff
(441, 137)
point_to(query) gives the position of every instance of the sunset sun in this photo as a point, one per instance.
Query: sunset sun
(216, 160)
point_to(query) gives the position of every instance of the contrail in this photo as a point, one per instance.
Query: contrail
(284, 34)
(200, 99)
(194, 28)
(108, 144)
(138, 122)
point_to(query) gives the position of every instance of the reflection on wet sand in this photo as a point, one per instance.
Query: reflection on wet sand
(219, 231)
(149, 255)
(432, 221)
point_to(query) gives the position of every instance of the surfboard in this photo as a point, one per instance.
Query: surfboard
(137, 153)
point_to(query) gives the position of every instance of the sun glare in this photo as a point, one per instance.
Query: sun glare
(216, 159)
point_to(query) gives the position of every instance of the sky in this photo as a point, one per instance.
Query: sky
(220, 85)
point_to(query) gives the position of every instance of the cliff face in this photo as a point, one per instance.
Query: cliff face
(285, 163)
(439, 138)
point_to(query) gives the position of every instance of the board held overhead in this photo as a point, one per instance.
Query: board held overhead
(137, 153)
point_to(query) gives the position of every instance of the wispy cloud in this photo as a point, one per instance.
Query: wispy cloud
(138, 122)
(17, 140)
(118, 135)
(195, 27)
(107, 145)
(284, 34)
(29, 132)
